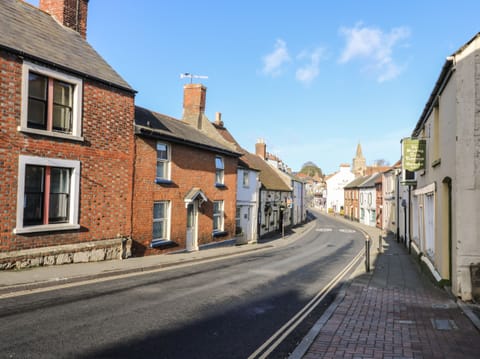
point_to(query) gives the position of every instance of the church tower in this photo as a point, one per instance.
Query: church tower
(359, 164)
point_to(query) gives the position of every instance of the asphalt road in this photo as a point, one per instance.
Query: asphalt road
(222, 309)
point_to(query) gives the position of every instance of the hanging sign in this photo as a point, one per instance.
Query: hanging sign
(413, 154)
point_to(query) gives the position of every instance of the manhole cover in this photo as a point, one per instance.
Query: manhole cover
(444, 324)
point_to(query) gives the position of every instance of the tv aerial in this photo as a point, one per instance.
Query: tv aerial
(192, 76)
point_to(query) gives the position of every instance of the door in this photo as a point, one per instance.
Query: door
(192, 227)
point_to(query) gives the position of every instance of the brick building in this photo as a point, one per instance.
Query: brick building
(185, 180)
(66, 140)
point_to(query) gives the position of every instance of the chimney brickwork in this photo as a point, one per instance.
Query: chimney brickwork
(194, 96)
(261, 148)
(71, 13)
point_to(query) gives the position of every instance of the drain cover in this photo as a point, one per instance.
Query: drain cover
(444, 324)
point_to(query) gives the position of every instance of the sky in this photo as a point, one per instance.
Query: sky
(312, 78)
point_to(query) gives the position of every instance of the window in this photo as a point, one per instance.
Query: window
(238, 213)
(51, 102)
(246, 179)
(161, 214)
(218, 216)
(163, 162)
(47, 194)
(219, 170)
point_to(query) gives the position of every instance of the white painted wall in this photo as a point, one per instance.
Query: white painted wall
(335, 184)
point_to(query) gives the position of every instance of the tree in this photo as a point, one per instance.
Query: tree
(311, 169)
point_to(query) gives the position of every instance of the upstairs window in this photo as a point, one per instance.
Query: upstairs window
(51, 102)
(246, 181)
(219, 170)
(163, 162)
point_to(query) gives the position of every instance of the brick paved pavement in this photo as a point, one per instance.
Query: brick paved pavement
(395, 312)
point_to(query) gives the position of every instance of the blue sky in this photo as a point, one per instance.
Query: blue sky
(313, 78)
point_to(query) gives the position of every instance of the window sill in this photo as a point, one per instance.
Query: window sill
(163, 181)
(219, 234)
(47, 228)
(220, 185)
(161, 243)
(50, 134)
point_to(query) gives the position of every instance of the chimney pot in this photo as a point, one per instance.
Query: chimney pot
(218, 119)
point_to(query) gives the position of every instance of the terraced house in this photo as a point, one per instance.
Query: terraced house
(66, 140)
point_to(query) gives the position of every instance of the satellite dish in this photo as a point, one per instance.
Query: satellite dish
(192, 76)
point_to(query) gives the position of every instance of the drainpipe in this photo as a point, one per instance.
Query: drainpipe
(398, 207)
(409, 220)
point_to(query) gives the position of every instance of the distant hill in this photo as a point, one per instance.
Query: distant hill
(311, 169)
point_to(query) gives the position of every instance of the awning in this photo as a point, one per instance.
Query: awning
(194, 194)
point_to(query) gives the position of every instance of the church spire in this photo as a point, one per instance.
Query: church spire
(359, 150)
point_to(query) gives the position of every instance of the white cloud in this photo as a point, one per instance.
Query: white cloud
(273, 62)
(376, 47)
(307, 73)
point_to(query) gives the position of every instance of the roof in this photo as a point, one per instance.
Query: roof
(445, 73)
(370, 181)
(270, 177)
(36, 35)
(357, 182)
(156, 125)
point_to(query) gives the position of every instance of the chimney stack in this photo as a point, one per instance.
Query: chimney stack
(71, 13)
(261, 148)
(218, 119)
(194, 104)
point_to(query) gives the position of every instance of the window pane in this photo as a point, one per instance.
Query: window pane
(158, 230)
(62, 118)
(62, 93)
(37, 86)
(37, 114)
(219, 162)
(159, 210)
(33, 196)
(162, 152)
(59, 195)
(161, 167)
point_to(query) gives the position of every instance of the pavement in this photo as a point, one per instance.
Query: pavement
(391, 311)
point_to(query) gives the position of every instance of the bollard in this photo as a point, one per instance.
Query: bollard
(380, 244)
(367, 254)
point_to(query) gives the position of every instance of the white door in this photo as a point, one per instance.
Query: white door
(192, 227)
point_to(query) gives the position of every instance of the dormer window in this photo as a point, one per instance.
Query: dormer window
(51, 103)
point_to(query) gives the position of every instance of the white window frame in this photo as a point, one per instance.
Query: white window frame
(167, 162)
(76, 108)
(246, 179)
(72, 223)
(167, 219)
(219, 215)
(219, 171)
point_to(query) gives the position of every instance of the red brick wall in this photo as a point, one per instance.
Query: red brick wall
(190, 167)
(106, 159)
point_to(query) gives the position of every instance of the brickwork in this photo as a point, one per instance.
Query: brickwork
(105, 155)
(190, 167)
(71, 13)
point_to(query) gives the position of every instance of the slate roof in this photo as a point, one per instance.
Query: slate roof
(270, 177)
(152, 124)
(357, 182)
(34, 34)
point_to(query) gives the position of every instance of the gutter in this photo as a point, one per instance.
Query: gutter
(150, 132)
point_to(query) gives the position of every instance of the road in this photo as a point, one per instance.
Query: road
(222, 309)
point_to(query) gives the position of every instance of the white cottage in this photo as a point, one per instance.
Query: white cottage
(335, 184)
